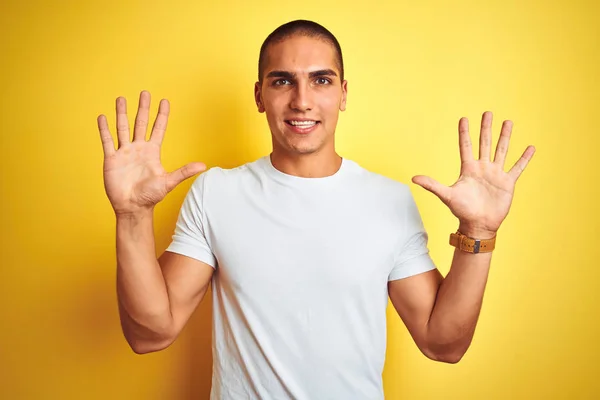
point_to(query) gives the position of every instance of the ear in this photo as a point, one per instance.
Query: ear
(344, 95)
(258, 98)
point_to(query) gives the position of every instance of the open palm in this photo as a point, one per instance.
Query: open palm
(483, 193)
(134, 177)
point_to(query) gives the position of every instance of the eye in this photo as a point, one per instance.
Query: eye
(322, 81)
(281, 82)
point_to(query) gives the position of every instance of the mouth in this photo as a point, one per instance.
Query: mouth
(302, 126)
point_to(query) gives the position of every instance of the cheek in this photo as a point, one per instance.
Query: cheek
(273, 112)
(332, 100)
(331, 105)
(274, 104)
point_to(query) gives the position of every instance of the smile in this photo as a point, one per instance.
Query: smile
(302, 123)
(302, 126)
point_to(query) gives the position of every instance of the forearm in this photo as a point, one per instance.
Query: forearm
(458, 304)
(141, 289)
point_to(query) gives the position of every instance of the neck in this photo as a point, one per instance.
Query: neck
(318, 165)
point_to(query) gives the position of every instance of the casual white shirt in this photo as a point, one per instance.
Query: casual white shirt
(301, 272)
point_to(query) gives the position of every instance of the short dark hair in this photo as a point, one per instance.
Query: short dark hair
(300, 27)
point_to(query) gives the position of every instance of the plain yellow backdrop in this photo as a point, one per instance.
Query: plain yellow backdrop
(414, 68)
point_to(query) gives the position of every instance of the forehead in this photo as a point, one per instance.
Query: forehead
(300, 54)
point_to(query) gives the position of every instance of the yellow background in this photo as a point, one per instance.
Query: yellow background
(413, 71)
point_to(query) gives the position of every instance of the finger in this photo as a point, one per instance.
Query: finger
(107, 141)
(427, 183)
(141, 119)
(485, 137)
(464, 141)
(503, 141)
(183, 173)
(122, 122)
(517, 169)
(160, 124)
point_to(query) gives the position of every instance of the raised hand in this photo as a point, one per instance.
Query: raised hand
(134, 178)
(483, 193)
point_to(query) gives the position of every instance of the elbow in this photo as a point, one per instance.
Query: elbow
(448, 358)
(143, 340)
(143, 346)
(448, 354)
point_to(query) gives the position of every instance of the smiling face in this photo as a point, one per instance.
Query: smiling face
(302, 94)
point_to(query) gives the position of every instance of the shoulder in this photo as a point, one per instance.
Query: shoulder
(384, 198)
(378, 184)
(228, 178)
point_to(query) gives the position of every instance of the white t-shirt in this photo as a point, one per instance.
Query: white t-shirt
(301, 272)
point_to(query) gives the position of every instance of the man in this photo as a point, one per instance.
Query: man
(302, 246)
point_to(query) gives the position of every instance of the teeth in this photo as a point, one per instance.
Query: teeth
(303, 123)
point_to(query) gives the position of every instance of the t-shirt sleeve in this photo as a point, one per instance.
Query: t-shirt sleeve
(190, 234)
(412, 254)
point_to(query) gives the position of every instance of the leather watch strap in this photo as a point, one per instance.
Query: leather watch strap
(471, 245)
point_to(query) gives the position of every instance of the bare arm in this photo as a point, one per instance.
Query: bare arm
(441, 313)
(156, 297)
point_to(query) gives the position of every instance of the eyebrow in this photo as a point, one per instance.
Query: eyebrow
(290, 75)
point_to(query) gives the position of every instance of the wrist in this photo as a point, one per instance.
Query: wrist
(135, 215)
(474, 232)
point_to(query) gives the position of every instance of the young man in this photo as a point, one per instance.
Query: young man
(302, 246)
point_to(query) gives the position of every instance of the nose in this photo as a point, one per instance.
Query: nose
(301, 98)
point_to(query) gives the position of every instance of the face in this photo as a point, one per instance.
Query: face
(302, 95)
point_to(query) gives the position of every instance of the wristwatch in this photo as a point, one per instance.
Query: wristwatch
(471, 245)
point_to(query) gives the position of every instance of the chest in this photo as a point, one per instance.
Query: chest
(304, 246)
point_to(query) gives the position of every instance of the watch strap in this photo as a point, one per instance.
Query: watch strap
(471, 245)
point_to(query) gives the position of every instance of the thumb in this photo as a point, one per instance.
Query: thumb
(183, 173)
(433, 186)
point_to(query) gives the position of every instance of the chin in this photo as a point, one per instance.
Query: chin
(310, 146)
(298, 148)
(290, 146)
(305, 151)
(293, 144)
